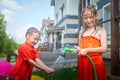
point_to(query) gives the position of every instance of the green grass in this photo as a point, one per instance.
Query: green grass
(63, 74)
(60, 74)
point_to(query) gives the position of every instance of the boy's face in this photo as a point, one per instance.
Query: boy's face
(33, 38)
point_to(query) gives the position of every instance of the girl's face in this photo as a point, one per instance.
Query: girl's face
(89, 18)
(33, 38)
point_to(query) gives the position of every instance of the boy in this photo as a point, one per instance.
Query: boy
(28, 57)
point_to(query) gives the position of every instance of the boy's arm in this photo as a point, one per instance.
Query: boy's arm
(39, 64)
(34, 63)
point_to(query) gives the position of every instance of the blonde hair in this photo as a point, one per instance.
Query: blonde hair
(32, 30)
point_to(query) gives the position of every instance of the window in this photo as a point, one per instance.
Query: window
(56, 17)
(88, 2)
(106, 16)
(85, 2)
(62, 10)
(106, 25)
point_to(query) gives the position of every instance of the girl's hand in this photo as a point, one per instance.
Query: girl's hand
(77, 48)
(83, 52)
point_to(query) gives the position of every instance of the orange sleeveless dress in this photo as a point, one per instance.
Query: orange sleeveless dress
(85, 70)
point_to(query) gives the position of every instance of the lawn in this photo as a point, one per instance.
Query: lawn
(63, 74)
(60, 74)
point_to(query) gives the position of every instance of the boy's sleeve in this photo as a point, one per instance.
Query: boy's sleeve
(28, 53)
(25, 53)
(36, 54)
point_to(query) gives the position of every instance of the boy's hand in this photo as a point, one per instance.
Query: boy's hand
(50, 70)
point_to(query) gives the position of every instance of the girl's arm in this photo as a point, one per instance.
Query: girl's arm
(103, 41)
(79, 36)
(79, 40)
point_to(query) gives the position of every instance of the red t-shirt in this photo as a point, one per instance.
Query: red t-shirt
(23, 69)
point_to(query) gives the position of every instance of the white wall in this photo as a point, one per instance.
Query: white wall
(72, 7)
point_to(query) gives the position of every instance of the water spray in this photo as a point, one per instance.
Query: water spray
(66, 50)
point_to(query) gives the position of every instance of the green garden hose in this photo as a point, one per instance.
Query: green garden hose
(93, 66)
(66, 50)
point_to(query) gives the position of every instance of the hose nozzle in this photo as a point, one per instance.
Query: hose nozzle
(66, 50)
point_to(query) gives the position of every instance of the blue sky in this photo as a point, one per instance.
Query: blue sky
(22, 14)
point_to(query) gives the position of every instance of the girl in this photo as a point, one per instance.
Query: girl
(92, 41)
(28, 57)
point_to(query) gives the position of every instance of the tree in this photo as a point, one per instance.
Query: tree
(2, 32)
(7, 45)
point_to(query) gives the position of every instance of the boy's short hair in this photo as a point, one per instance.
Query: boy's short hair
(32, 30)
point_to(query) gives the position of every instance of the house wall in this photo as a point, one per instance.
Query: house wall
(57, 9)
(72, 7)
(69, 32)
(68, 20)
(43, 35)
